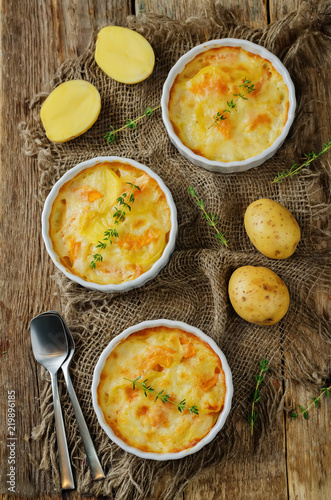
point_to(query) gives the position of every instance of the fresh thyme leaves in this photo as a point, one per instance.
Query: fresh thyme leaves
(124, 206)
(165, 398)
(247, 87)
(211, 219)
(304, 411)
(253, 416)
(295, 169)
(111, 135)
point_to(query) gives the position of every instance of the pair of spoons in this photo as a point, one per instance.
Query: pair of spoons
(53, 347)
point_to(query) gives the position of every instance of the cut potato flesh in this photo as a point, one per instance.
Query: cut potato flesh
(126, 56)
(70, 110)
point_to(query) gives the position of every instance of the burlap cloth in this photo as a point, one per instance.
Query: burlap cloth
(193, 287)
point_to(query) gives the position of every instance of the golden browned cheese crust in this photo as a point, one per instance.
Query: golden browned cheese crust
(204, 88)
(84, 210)
(180, 364)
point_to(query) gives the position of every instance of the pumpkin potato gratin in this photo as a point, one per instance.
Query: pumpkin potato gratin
(206, 86)
(84, 209)
(176, 362)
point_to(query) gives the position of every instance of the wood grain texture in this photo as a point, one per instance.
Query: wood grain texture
(32, 46)
(24, 285)
(171, 8)
(308, 458)
(252, 13)
(280, 9)
(248, 478)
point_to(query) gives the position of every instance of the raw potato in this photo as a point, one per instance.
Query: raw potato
(125, 55)
(258, 295)
(70, 110)
(272, 229)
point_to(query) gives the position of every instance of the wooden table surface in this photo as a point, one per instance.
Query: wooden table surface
(36, 37)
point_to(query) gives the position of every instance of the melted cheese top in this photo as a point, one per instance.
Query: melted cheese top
(84, 209)
(205, 87)
(173, 361)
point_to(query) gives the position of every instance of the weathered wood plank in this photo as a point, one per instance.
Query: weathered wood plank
(279, 9)
(250, 12)
(307, 443)
(40, 497)
(171, 8)
(73, 22)
(248, 478)
(24, 279)
(35, 38)
(308, 448)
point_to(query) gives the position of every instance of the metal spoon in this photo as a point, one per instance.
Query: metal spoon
(92, 457)
(50, 348)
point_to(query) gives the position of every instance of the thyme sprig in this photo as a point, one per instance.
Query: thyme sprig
(165, 398)
(211, 219)
(124, 206)
(111, 135)
(315, 403)
(295, 169)
(253, 415)
(248, 87)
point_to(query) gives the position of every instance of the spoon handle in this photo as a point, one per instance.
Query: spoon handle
(92, 457)
(67, 480)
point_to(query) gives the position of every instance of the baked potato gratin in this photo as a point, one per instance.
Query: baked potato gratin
(176, 362)
(208, 84)
(84, 210)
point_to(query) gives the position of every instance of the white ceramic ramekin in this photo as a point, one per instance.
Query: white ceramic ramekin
(171, 324)
(128, 285)
(233, 166)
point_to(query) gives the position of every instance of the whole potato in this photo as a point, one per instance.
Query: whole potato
(258, 295)
(272, 229)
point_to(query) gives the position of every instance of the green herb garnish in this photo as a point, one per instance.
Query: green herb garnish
(124, 206)
(211, 219)
(295, 169)
(304, 411)
(253, 416)
(248, 87)
(111, 135)
(165, 398)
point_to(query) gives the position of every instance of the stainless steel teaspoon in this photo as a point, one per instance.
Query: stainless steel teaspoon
(92, 457)
(50, 348)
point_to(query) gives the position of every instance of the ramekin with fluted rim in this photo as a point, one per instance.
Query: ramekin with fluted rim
(171, 324)
(233, 166)
(128, 285)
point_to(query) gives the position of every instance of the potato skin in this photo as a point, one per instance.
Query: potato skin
(272, 229)
(258, 295)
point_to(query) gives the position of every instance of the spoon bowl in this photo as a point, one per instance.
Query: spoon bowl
(49, 342)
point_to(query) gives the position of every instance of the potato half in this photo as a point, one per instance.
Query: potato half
(70, 110)
(124, 54)
(258, 295)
